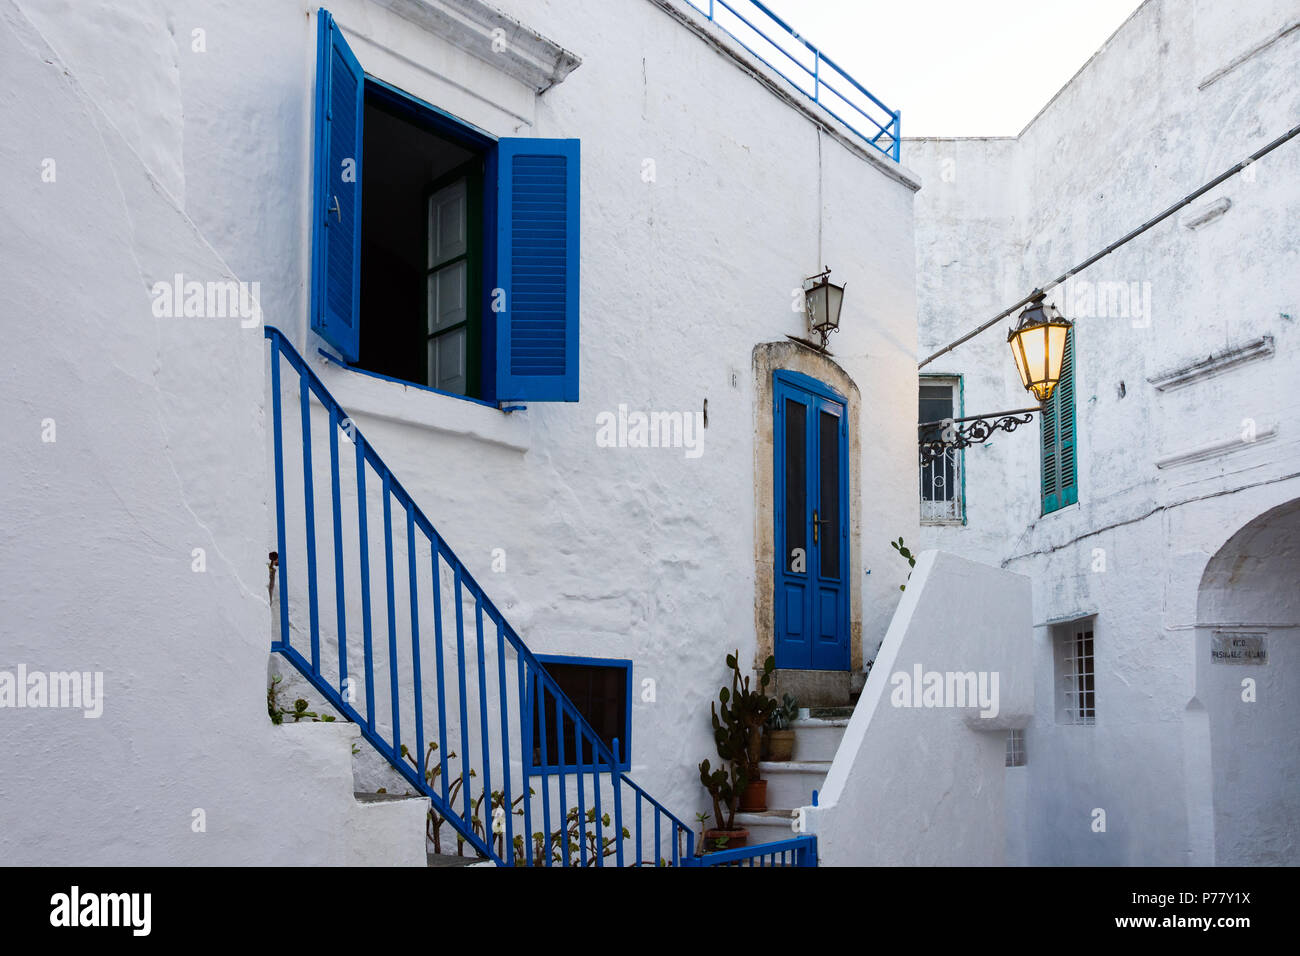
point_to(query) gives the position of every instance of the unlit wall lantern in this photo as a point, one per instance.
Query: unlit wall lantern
(1038, 346)
(822, 300)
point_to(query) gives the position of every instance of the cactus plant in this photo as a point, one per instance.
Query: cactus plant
(725, 789)
(907, 554)
(745, 716)
(738, 717)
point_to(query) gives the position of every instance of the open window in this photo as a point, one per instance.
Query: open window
(441, 256)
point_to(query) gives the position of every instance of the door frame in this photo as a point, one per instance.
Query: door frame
(765, 358)
(818, 389)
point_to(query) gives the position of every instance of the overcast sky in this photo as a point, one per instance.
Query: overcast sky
(958, 67)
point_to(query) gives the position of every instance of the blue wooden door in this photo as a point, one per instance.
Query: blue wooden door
(812, 524)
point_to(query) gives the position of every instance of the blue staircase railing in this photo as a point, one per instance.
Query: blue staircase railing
(553, 789)
(797, 851)
(808, 69)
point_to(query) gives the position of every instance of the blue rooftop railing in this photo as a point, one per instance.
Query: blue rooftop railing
(776, 44)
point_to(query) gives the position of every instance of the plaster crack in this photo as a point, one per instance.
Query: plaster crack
(95, 114)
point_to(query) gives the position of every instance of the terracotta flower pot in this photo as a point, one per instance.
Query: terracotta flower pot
(754, 797)
(780, 744)
(734, 838)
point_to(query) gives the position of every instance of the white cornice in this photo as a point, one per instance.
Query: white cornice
(1216, 449)
(485, 32)
(1237, 61)
(1216, 364)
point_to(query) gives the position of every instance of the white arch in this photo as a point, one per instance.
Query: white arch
(1251, 586)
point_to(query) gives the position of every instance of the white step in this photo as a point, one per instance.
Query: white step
(767, 827)
(363, 830)
(817, 739)
(387, 829)
(790, 783)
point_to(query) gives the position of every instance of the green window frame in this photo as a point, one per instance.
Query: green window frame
(956, 502)
(1058, 439)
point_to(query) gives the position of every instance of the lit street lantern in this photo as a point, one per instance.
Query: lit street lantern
(1038, 346)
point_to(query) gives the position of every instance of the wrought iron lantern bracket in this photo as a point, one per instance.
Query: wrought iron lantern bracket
(937, 438)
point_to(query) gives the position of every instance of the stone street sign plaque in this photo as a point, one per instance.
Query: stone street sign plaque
(1232, 648)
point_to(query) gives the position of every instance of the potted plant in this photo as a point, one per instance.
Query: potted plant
(738, 733)
(724, 789)
(738, 739)
(780, 735)
(751, 710)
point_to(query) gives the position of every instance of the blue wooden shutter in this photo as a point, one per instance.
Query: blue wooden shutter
(336, 210)
(534, 315)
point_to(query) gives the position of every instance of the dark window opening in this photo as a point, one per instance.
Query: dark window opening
(829, 519)
(421, 253)
(601, 692)
(796, 470)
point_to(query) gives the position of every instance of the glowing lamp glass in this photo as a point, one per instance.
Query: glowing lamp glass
(1038, 347)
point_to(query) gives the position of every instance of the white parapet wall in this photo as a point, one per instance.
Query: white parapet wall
(919, 778)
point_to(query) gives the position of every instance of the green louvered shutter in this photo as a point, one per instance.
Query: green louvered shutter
(1047, 438)
(1068, 466)
(1058, 437)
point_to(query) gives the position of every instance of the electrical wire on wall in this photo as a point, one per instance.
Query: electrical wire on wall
(1160, 217)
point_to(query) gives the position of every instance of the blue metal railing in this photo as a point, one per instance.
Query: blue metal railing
(773, 42)
(493, 701)
(797, 851)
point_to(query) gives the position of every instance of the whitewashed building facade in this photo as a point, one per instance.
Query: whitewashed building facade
(1169, 535)
(186, 177)
(482, 318)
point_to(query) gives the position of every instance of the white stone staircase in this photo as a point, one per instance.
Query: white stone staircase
(790, 784)
(383, 822)
(362, 829)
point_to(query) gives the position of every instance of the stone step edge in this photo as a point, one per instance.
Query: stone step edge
(361, 797)
(770, 815)
(794, 766)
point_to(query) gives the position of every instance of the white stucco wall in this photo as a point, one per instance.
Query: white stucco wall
(156, 451)
(997, 217)
(925, 785)
(171, 160)
(641, 553)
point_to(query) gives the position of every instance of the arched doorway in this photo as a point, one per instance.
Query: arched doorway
(827, 612)
(1248, 680)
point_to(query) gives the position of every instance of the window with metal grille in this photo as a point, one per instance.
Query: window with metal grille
(941, 479)
(601, 690)
(1076, 701)
(1015, 748)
